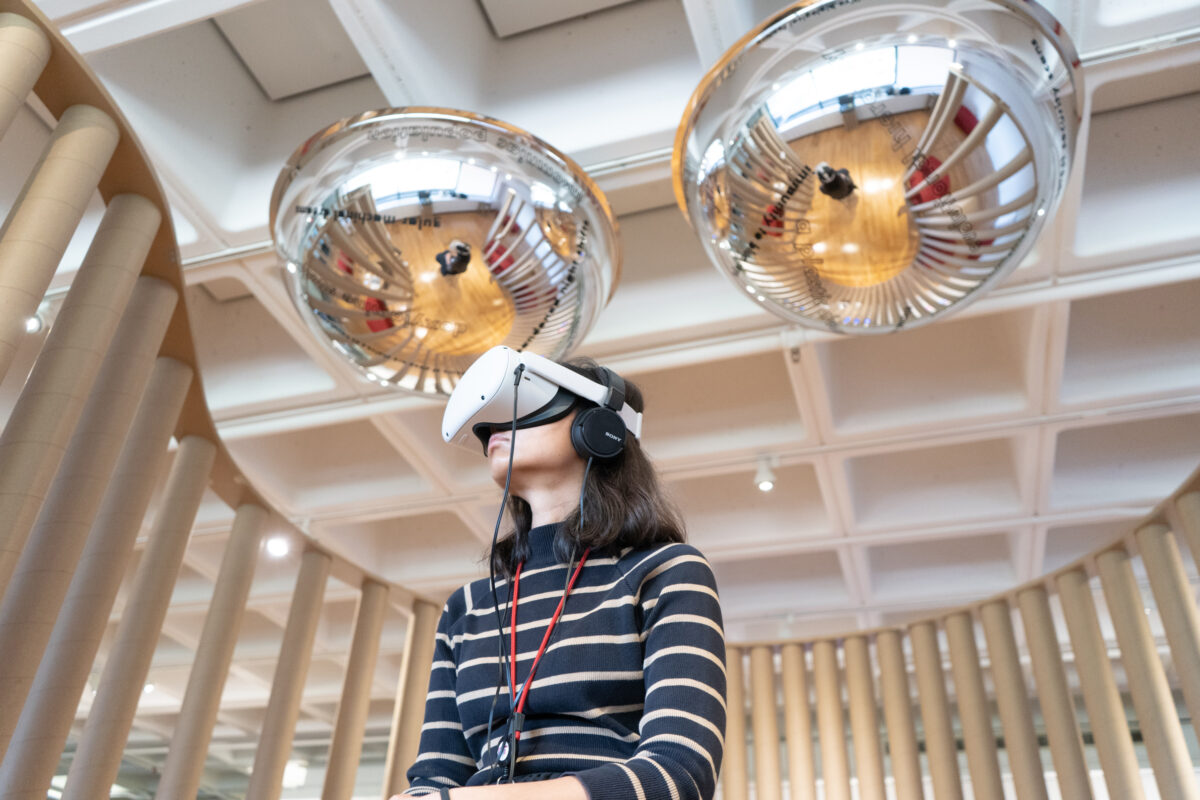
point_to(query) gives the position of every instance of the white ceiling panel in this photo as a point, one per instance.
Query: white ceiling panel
(292, 46)
(727, 513)
(1133, 345)
(929, 568)
(947, 484)
(975, 368)
(1132, 463)
(335, 465)
(1138, 152)
(510, 17)
(246, 358)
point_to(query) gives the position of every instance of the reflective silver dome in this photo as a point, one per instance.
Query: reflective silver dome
(865, 165)
(417, 238)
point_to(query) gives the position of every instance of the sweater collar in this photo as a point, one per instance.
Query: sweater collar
(541, 545)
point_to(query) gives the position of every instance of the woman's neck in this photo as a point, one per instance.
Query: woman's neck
(551, 501)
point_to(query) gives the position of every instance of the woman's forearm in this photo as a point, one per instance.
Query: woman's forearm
(565, 788)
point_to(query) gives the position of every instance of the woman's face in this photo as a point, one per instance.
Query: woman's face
(543, 455)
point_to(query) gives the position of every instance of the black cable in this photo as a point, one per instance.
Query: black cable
(501, 644)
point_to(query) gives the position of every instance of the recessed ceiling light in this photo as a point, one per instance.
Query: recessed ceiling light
(278, 547)
(912, 38)
(33, 324)
(148, 688)
(764, 477)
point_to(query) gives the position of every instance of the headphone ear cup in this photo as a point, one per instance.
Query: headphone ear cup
(598, 433)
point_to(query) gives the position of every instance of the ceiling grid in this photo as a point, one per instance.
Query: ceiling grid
(913, 471)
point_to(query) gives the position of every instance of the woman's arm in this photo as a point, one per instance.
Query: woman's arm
(683, 718)
(566, 788)
(443, 756)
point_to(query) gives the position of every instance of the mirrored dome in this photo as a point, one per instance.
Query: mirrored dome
(861, 166)
(417, 238)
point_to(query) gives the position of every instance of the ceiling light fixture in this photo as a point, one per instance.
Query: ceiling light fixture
(278, 546)
(764, 477)
(33, 324)
(295, 774)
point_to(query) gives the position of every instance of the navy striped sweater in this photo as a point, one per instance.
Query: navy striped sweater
(629, 697)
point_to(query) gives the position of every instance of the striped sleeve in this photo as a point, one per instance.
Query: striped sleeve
(683, 724)
(444, 759)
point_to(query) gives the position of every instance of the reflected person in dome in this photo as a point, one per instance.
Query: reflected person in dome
(591, 663)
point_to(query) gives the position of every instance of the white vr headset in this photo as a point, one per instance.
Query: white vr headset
(482, 402)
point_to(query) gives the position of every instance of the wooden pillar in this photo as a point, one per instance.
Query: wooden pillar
(835, 771)
(941, 750)
(979, 739)
(193, 730)
(1110, 729)
(46, 565)
(1177, 607)
(1157, 717)
(1013, 702)
(45, 215)
(41, 733)
(797, 718)
(24, 51)
(49, 406)
(102, 743)
(897, 714)
(864, 719)
(1188, 506)
(768, 783)
(287, 686)
(409, 712)
(346, 747)
(1058, 709)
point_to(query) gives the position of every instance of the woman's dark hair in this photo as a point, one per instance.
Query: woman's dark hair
(623, 505)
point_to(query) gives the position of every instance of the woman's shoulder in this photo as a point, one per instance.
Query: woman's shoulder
(467, 600)
(641, 563)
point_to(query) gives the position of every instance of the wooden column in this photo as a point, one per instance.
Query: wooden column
(45, 722)
(1013, 702)
(45, 215)
(897, 714)
(43, 572)
(941, 750)
(797, 718)
(24, 51)
(287, 686)
(1110, 729)
(831, 728)
(1157, 717)
(193, 730)
(49, 406)
(864, 719)
(1058, 709)
(979, 739)
(768, 783)
(1177, 607)
(409, 712)
(1188, 506)
(346, 747)
(102, 743)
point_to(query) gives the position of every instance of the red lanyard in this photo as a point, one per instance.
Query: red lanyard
(519, 698)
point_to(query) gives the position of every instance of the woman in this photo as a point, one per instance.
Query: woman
(628, 699)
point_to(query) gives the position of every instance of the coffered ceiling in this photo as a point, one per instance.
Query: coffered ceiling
(912, 471)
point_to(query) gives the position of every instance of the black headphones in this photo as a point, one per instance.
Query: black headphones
(599, 432)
